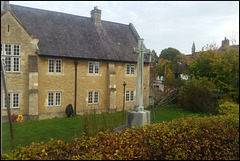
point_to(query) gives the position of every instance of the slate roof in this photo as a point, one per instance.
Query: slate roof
(73, 36)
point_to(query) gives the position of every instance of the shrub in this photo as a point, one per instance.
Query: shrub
(198, 96)
(228, 108)
(191, 138)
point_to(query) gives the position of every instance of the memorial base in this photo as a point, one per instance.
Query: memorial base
(138, 118)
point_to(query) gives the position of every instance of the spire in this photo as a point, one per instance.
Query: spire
(193, 48)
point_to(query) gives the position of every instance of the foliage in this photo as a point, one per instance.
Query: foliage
(191, 138)
(198, 96)
(154, 57)
(227, 108)
(169, 53)
(221, 67)
(180, 58)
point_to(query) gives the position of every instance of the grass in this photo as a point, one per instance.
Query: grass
(69, 127)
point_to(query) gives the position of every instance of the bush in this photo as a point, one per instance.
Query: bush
(198, 96)
(191, 138)
(228, 108)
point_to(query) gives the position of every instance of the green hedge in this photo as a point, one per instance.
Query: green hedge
(192, 138)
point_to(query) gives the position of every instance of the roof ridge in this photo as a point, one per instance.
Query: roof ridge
(70, 14)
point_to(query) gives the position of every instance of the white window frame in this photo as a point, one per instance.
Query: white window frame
(8, 66)
(18, 100)
(4, 101)
(130, 69)
(13, 58)
(129, 96)
(54, 99)
(92, 97)
(5, 53)
(58, 62)
(59, 98)
(95, 68)
(51, 63)
(18, 64)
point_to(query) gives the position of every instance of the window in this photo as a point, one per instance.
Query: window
(8, 64)
(96, 67)
(51, 65)
(58, 66)
(54, 98)
(129, 96)
(93, 97)
(50, 99)
(130, 68)
(90, 97)
(8, 49)
(16, 64)
(5, 104)
(16, 50)
(93, 67)
(15, 100)
(12, 60)
(58, 99)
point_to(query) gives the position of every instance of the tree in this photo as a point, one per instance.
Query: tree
(154, 57)
(221, 67)
(169, 53)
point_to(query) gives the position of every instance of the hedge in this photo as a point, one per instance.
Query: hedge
(191, 138)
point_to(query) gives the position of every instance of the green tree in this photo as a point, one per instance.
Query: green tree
(169, 53)
(221, 67)
(154, 57)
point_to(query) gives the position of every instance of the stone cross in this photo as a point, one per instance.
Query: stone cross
(139, 84)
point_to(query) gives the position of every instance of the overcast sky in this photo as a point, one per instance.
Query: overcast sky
(162, 24)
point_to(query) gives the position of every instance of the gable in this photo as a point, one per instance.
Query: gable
(74, 36)
(10, 26)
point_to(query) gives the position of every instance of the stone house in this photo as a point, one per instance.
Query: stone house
(54, 59)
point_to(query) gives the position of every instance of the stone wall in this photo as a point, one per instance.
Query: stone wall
(13, 33)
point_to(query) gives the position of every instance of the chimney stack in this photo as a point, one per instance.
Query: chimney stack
(225, 42)
(96, 15)
(5, 5)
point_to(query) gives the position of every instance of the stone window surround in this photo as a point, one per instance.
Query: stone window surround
(95, 67)
(11, 94)
(129, 95)
(130, 69)
(92, 97)
(14, 56)
(54, 98)
(55, 68)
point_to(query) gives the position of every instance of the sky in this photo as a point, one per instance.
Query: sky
(162, 24)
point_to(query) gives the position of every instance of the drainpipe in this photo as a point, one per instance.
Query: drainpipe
(75, 62)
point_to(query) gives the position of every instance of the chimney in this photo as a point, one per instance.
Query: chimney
(225, 42)
(96, 15)
(5, 5)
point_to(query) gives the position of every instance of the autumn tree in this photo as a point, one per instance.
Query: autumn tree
(220, 67)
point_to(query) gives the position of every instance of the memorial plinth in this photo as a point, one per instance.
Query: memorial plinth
(139, 116)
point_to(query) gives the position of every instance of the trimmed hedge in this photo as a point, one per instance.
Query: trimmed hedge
(191, 138)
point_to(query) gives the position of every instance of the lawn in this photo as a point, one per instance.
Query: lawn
(67, 128)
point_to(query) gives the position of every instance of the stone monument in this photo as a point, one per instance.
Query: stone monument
(139, 116)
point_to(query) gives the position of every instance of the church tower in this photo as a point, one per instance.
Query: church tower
(193, 48)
